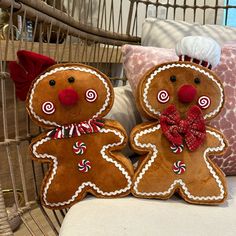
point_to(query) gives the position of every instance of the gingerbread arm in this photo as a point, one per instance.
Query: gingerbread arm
(138, 137)
(117, 134)
(40, 147)
(216, 142)
(118, 140)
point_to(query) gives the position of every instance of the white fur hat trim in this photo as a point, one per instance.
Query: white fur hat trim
(200, 48)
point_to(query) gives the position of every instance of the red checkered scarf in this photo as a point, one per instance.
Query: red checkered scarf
(192, 129)
(74, 130)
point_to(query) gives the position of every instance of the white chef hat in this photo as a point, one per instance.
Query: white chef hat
(198, 49)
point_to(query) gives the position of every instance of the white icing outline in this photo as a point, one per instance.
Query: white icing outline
(82, 69)
(83, 185)
(178, 181)
(166, 67)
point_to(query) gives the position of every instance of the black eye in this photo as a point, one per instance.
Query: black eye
(197, 81)
(52, 82)
(172, 78)
(71, 80)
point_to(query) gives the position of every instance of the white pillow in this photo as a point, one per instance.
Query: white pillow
(124, 111)
(166, 33)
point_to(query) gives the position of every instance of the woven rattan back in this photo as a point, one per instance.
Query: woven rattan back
(86, 31)
(200, 11)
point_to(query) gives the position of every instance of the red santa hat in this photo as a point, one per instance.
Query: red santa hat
(200, 50)
(26, 69)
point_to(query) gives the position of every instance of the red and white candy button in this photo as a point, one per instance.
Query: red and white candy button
(179, 167)
(84, 166)
(177, 149)
(79, 148)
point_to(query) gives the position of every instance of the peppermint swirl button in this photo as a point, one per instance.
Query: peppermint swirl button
(179, 167)
(79, 148)
(84, 166)
(177, 149)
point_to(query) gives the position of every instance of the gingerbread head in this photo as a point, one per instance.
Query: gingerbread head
(185, 83)
(68, 94)
(81, 147)
(181, 96)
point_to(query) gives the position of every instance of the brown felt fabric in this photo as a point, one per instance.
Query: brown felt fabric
(160, 176)
(68, 179)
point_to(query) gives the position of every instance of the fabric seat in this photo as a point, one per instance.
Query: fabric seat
(132, 216)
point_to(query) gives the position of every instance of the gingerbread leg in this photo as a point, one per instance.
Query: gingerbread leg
(209, 189)
(112, 181)
(161, 182)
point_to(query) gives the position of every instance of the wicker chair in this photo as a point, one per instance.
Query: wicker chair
(86, 31)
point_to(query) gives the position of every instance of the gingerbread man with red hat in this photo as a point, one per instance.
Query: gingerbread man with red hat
(80, 146)
(179, 98)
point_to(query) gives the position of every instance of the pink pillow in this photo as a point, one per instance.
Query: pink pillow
(139, 59)
(226, 120)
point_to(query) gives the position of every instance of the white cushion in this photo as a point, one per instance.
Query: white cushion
(124, 111)
(132, 216)
(166, 33)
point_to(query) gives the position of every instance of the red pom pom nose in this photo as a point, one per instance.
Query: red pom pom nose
(187, 93)
(68, 96)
